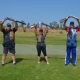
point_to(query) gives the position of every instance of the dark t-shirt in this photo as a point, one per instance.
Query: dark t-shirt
(41, 40)
(6, 35)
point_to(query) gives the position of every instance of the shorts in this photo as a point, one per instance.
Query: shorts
(6, 50)
(41, 48)
(9, 46)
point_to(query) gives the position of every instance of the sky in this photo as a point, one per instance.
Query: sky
(39, 10)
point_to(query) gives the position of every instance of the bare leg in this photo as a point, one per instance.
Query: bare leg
(3, 58)
(13, 58)
(38, 59)
(46, 58)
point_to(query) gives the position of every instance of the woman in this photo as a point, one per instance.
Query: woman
(41, 46)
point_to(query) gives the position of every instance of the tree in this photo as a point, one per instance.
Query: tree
(54, 24)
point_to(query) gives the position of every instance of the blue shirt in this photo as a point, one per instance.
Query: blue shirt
(71, 38)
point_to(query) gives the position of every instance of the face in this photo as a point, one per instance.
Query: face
(8, 28)
(72, 24)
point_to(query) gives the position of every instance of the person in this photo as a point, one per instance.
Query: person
(41, 46)
(8, 40)
(71, 42)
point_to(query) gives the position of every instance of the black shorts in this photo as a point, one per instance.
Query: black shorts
(9, 47)
(6, 50)
(41, 48)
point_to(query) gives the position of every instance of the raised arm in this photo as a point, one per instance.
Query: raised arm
(45, 31)
(16, 25)
(77, 21)
(15, 22)
(35, 30)
(65, 20)
(1, 24)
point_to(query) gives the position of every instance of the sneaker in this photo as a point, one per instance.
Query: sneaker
(14, 63)
(38, 62)
(66, 64)
(47, 62)
(3, 63)
(74, 64)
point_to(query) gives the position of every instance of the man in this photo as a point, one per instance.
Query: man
(71, 42)
(8, 40)
(41, 46)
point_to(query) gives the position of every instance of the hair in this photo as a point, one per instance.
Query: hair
(71, 23)
(8, 25)
(41, 30)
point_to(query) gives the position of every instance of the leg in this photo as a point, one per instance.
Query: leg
(39, 52)
(74, 56)
(5, 51)
(13, 58)
(67, 58)
(45, 55)
(12, 51)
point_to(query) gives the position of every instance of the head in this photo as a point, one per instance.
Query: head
(41, 31)
(8, 26)
(71, 24)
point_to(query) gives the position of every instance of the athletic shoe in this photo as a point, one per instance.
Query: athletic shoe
(47, 62)
(66, 64)
(14, 63)
(38, 62)
(74, 64)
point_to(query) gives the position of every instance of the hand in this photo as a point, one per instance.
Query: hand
(74, 17)
(7, 18)
(1, 21)
(10, 19)
(69, 16)
(35, 26)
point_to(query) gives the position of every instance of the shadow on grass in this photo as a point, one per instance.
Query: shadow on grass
(18, 60)
(42, 59)
(55, 57)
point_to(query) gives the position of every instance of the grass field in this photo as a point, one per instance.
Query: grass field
(27, 67)
(53, 37)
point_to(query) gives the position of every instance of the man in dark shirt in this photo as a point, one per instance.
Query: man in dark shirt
(8, 41)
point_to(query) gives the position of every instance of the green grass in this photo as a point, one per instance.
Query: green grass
(53, 38)
(28, 69)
